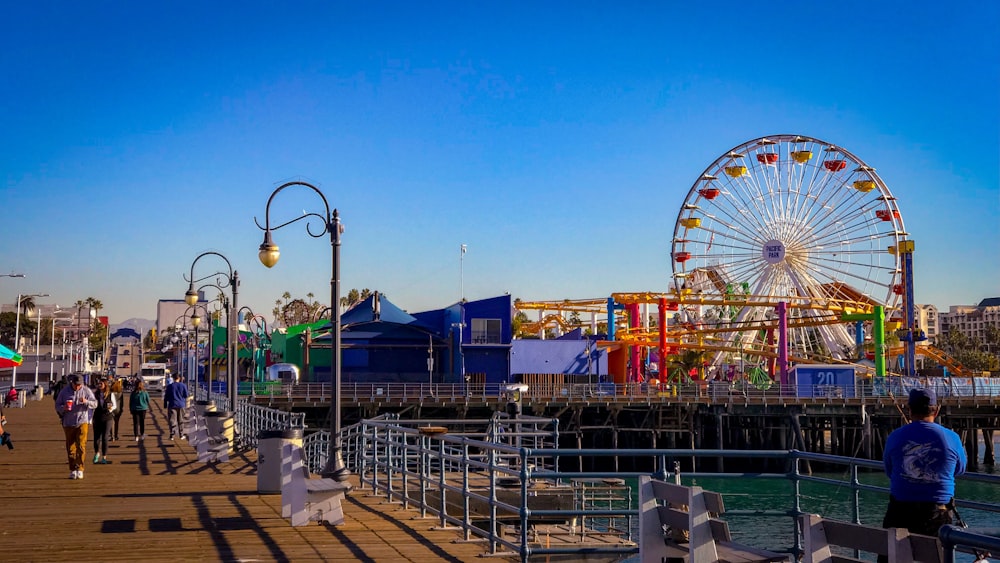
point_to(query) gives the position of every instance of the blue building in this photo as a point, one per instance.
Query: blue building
(382, 343)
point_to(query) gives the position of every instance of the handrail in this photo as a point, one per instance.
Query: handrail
(251, 419)
(953, 537)
(488, 487)
(892, 390)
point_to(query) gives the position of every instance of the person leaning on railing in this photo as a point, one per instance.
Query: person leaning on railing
(922, 459)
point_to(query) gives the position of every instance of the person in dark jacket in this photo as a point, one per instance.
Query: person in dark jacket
(138, 405)
(175, 398)
(104, 417)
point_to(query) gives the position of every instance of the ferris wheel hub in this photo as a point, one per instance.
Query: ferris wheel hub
(773, 251)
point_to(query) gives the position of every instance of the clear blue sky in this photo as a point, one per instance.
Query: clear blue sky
(556, 139)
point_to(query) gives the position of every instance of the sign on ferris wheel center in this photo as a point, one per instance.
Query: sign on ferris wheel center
(773, 251)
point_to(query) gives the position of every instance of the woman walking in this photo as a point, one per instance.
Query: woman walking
(104, 417)
(119, 393)
(138, 404)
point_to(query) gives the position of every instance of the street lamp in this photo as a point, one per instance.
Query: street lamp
(223, 305)
(38, 339)
(52, 346)
(17, 329)
(269, 255)
(195, 321)
(258, 331)
(191, 298)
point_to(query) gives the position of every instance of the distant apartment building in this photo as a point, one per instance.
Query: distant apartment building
(972, 320)
(928, 320)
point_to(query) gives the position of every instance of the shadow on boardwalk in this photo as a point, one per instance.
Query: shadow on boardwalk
(156, 501)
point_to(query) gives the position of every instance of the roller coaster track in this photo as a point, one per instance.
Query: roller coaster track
(936, 354)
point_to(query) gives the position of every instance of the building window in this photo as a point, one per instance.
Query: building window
(486, 331)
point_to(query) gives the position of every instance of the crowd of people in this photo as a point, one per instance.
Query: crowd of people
(97, 409)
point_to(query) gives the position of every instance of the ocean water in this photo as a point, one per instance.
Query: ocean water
(832, 501)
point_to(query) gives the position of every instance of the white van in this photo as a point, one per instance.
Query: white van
(154, 375)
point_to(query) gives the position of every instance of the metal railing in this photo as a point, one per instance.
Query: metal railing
(250, 419)
(953, 537)
(983, 391)
(493, 490)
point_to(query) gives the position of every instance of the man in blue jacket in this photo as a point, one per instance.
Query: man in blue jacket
(922, 460)
(175, 398)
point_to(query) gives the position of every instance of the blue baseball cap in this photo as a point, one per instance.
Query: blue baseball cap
(925, 397)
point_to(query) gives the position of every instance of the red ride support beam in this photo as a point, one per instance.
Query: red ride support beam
(633, 351)
(662, 310)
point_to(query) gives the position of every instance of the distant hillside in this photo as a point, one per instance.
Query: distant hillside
(141, 326)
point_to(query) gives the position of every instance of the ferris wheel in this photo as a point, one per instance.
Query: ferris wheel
(789, 217)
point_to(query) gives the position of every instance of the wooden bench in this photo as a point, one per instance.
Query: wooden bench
(678, 523)
(305, 500)
(820, 534)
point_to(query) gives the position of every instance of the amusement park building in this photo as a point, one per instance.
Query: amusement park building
(972, 320)
(382, 343)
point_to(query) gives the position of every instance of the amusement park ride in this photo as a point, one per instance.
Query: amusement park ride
(785, 249)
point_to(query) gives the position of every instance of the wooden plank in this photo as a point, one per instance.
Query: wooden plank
(673, 494)
(157, 502)
(926, 549)
(673, 517)
(713, 502)
(857, 536)
(815, 547)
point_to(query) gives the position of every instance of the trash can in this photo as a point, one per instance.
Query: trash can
(202, 407)
(269, 446)
(221, 423)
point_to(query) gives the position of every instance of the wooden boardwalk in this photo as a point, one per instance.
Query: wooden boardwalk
(156, 502)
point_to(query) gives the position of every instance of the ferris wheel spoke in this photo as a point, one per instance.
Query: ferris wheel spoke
(732, 216)
(735, 236)
(845, 235)
(853, 236)
(751, 204)
(848, 274)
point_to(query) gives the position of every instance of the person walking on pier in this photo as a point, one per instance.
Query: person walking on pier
(922, 459)
(117, 389)
(104, 417)
(138, 405)
(175, 398)
(73, 405)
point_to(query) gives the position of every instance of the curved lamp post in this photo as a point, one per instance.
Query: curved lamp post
(180, 338)
(258, 330)
(269, 255)
(195, 321)
(17, 330)
(191, 298)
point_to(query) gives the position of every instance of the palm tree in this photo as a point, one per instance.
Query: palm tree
(97, 335)
(682, 364)
(28, 303)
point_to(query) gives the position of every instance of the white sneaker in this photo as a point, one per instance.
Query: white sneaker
(136, 438)
(79, 474)
(73, 475)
